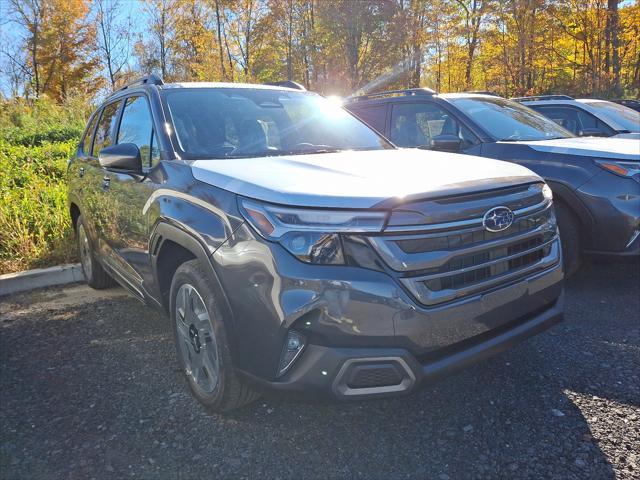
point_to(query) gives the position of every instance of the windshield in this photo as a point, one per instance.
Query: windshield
(243, 122)
(624, 116)
(508, 120)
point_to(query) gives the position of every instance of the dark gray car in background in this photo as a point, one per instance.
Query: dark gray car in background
(295, 249)
(595, 181)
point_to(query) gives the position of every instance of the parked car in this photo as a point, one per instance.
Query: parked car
(632, 104)
(587, 117)
(596, 181)
(296, 249)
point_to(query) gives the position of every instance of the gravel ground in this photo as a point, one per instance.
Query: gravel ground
(89, 389)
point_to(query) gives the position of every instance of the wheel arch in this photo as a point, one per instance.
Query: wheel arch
(565, 195)
(74, 213)
(170, 247)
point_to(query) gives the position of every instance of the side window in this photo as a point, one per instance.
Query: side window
(566, 117)
(103, 137)
(573, 119)
(136, 127)
(591, 121)
(88, 136)
(415, 124)
(374, 116)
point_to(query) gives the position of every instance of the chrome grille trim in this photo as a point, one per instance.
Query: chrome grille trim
(473, 222)
(400, 261)
(417, 286)
(425, 278)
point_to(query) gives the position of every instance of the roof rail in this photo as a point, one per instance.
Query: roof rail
(288, 84)
(408, 92)
(484, 92)
(536, 98)
(151, 79)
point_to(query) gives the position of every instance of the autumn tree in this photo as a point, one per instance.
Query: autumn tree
(113, 38)
(154, 48)
(194, 44)
(60, 44)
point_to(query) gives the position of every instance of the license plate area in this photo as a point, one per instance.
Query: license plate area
(495, 299)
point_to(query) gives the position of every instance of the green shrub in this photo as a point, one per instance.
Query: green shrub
(42, 121)
(34, 223)
(36, 141)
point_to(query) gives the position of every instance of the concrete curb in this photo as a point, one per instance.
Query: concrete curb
(40, 277)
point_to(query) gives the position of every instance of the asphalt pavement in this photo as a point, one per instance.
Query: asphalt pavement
(89, 388)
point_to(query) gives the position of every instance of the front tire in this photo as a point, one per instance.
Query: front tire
(570, 238)
(202, 341)
(94, 274)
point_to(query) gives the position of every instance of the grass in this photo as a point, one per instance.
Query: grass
(36, 140)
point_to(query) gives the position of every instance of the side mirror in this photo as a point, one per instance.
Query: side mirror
(446, 143)
(124, 157)
(591, 132)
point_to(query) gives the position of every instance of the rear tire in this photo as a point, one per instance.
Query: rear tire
(202, 342)
(94, 274)
(570, 238)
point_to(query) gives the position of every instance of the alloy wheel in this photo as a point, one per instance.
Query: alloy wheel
(196, 339)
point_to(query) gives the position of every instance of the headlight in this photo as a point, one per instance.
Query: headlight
(621, 168)
(311, 235)
(547, 193)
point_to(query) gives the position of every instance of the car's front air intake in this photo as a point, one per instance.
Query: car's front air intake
(448, 260)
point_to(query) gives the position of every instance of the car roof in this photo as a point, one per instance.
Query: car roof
(413, 95)
(559, 101)
(248, 86)
(140, 87)
(470, 95)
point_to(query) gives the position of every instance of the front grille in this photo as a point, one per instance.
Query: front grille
(451, 241)
(438, 265)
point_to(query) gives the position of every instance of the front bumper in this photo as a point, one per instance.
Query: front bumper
(339, 373)
(614, 203)
(352, 323)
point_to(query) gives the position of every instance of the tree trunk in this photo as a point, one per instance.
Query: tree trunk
(219, 30)
(614, 27)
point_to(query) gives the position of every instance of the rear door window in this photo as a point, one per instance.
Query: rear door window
(88, 135)
(104, 132)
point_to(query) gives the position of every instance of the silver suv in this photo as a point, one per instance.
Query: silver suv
(587, 117)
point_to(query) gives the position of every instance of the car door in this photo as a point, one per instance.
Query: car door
(416, 124)
(127, 193)
(78, 168)
(98, 214)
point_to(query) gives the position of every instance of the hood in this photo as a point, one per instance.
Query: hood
(358, 179)
(618, 148)
(635, 135)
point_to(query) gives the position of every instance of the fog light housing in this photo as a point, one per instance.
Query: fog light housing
(293, 346)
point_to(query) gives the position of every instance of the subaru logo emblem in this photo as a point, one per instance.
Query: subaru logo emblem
(497, 219)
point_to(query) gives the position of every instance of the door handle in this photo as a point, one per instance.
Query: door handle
(106, 183)
(81, 172)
